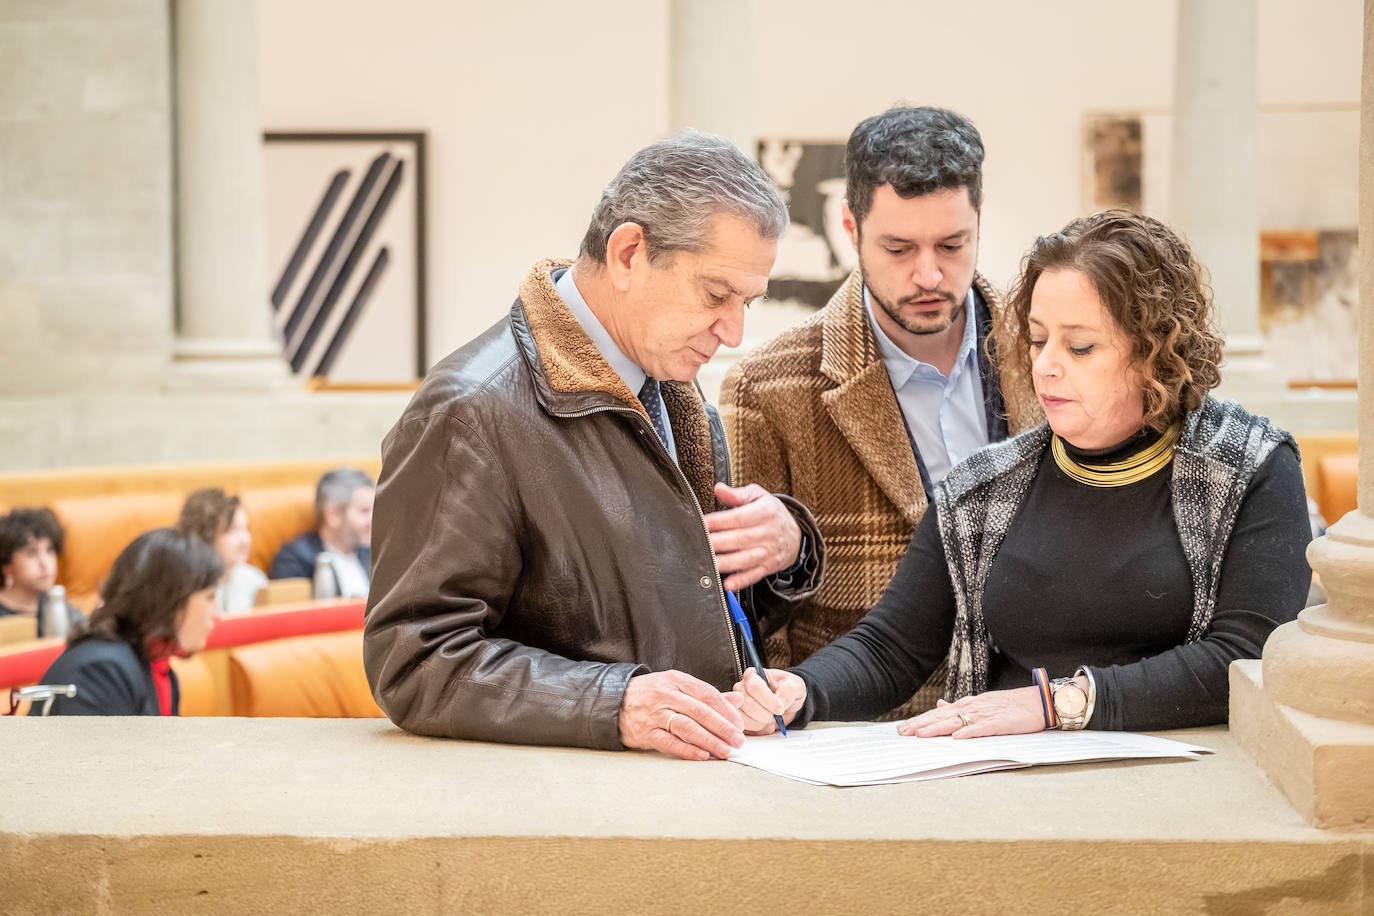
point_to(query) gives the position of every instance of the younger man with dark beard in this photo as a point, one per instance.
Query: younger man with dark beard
(860, 411)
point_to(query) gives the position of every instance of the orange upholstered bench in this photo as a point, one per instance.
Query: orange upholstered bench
(99, 527)
(303, 661)
(314, 676)
(104, 509)
(1338, 487)
(1329, 468)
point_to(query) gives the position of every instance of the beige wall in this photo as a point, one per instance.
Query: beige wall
(85, 196)
(559, 120)
(530, 109)
(86, 263)
(1027, 76)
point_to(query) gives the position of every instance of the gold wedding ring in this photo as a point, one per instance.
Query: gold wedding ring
(669, 727)
(962, 718)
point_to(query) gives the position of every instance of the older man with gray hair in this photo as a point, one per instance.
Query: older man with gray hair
(343, 533)
(556, 527)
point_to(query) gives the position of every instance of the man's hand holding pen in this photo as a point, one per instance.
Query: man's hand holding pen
(759, 705)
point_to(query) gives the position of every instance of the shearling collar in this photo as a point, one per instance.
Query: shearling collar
(573, 378)
(572, 364)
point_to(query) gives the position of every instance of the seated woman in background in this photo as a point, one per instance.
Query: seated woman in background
(1131, 549)
(30, 543)
(221, 521)
(158, 601)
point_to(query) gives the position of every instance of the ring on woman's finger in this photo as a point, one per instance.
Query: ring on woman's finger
(669, 726)
(963, 718)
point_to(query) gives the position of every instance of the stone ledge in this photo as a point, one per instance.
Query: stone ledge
(1323, 766)
(266, 815)
(192, 426)
(568, 875)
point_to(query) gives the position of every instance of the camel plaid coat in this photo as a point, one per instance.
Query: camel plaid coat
(812, 414)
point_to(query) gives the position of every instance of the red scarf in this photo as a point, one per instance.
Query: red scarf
(162, 680)
(160, 652)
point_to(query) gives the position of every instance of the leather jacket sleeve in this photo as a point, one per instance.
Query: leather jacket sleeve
(447, 558)
(775, 599)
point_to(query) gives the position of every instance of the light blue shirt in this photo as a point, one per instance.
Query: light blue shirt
(945, 414)
(630, 374)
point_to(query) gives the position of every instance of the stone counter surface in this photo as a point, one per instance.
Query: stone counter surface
(292, 815)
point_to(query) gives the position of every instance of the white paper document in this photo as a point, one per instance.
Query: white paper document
(866, 755)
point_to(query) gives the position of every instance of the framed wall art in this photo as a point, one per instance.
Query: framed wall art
(345, 213)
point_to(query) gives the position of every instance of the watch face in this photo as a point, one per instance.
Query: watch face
(1070, 702)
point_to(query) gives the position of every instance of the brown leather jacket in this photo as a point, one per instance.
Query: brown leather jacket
(534, 546)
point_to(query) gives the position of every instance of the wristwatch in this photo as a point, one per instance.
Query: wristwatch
(1070, 703)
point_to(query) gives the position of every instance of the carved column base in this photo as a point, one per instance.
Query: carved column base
(1305, 713)
(1323, 766)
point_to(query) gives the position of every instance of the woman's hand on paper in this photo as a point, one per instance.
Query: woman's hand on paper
(997, 712)
(759, 705)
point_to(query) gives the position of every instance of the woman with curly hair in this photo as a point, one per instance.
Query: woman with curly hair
(158, 601)
(1103, 570)
(221, 521)
(30, 545)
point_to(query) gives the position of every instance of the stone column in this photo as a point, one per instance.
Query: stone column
(712, 79)
(223, 318)
(1306, 714)
(1214, 196)
(711, 88)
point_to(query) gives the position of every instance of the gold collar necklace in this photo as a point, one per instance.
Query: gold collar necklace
(1122, 473)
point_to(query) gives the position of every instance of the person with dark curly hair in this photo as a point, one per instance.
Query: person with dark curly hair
(159, 600)
(220, 520)
(30, 543)
(1103, 570)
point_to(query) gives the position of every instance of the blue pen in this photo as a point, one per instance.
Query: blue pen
(742, 622)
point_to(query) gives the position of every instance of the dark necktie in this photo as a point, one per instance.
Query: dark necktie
(653, 406)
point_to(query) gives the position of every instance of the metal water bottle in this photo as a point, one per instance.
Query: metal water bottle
(326, 582)
(55, 619)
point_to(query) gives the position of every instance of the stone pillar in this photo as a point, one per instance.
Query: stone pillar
(712, 78)
(223, 318)
(711, 88)
(1214, 196)
(1306, 714)
(85, 211)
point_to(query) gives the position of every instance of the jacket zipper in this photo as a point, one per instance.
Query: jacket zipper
(701, 517)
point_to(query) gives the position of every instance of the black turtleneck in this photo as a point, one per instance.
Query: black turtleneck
(1089, 576)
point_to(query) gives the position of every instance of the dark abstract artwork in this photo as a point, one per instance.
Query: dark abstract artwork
(346, 246)
(815, 255)
(1113, 156)
(1309, 303)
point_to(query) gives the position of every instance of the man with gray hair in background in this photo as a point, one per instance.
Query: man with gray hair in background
(343, 519)
(555, 521)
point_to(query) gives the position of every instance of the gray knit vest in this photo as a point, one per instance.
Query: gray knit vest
(1219, 449)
